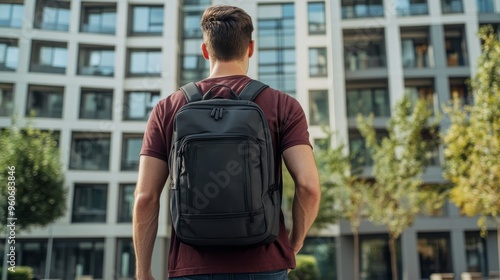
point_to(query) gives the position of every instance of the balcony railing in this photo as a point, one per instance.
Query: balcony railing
(362, 11)
(453, 7)
(485, 6)
(356, 63)
(413, 10)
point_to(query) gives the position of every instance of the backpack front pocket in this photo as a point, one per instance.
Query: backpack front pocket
(218, 172)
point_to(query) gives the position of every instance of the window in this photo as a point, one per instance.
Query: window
(52, 15)
(89, 203)
(90, 151)
(360, 155)
(368, 100)
(318, 107)
(276, 43)
(316, 17)
(96, 104)
(476, 253)
(96, 61)
(193, 66)
(423, 90)
(144, 62)
(6, 100)
(362, 8)
(460, 90)
(45, 102)
(452, 6)
(138, 104)
(455, 43)
(412, 7)
(375, 260)
(98, 18)
(126, 203)
(147, 20)
(11, 14)
(434, 253)
(318, 66)
(131, 147)
(364, 50)
(191, 24)
(416, 49)
(197, 2)
(486, 6)
(125, 258)
(49, 57)
(9, 54)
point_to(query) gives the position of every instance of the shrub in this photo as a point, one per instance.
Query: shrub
(21, 273)
(307, 268)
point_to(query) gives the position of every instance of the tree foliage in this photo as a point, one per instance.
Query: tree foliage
(40, 196)
(399, 161)
(472, 143)
(347, 192)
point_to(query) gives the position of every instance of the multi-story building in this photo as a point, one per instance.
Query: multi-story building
(93, 70)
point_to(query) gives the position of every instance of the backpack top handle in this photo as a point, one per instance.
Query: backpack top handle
(232, 94)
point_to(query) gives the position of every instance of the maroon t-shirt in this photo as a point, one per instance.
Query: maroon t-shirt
(288, 128)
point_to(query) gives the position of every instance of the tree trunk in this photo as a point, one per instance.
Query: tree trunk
(394, 264)
(355, 233)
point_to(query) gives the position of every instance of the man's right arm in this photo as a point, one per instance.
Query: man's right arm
(300, 163)
(152, 176)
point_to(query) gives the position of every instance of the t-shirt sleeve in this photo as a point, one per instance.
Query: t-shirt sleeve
(155, 141)
(294, 128)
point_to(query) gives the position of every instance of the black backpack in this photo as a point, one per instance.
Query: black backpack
(223, 190)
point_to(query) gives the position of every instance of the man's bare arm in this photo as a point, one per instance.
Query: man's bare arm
(153, 174)
(300, 163)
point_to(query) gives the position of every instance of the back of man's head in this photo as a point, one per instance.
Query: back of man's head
(227, 31)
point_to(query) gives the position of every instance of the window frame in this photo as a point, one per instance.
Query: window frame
(45, 90)
(148, 73)
(106, 93)
(101, 212)
(150, 24)
(85, 57)
(10, 45)
(126, 164)
(102, 8)
(13, 22)
(78, 160)
(40, 14)
(6, 101)
(36, 63)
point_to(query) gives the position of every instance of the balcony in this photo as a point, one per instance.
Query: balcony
(362, 11)
(412, 8)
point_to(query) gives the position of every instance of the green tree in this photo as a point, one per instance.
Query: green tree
(472, 142)
(30, 159)
(399, 160)
(347, 192)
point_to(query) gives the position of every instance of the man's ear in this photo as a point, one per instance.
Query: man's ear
(251, 47)
(204, 51)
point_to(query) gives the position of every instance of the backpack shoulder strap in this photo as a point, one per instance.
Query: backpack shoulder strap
(191, 92)
(252, 89)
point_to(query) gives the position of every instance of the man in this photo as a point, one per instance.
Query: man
(228, 46)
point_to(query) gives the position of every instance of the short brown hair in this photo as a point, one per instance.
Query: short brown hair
(227, 31)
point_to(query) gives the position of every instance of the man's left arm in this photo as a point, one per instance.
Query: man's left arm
(152, 176)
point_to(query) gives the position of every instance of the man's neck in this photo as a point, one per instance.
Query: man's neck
(229, 68)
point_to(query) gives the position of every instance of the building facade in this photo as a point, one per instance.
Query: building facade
(92, 71)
